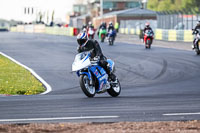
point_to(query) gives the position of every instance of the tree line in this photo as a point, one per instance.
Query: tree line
(187, 6)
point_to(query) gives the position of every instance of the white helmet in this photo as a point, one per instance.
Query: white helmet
(90, 23)
(198, 23)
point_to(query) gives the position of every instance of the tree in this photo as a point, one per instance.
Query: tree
(168, 5)
(153, 4)
(164, 5)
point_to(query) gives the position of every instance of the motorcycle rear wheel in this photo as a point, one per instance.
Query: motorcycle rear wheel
(110, 41)
(197, 52)
(87, 89)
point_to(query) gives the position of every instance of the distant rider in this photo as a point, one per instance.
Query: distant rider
(94, 48)
(147, 27)
(111, 27)
(197, 26)
(90, 25)
(102, 26)
(196, 30)
(84, 28)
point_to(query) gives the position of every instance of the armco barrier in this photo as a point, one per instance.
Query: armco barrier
(29, 28)
(20, 28)
(39, 28)
(13, 29)
(188, 36)
(167, 35)
(158, 34)
(68, 31)
(172, 35)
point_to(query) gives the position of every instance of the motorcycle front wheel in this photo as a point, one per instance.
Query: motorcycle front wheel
(88, 90)
(148, 44)
(115, 89)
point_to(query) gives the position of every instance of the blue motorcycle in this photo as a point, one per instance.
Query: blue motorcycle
(111, 36)
(93, 78)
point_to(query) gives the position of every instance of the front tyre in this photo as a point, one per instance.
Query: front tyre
(88, 90)
(115, 89)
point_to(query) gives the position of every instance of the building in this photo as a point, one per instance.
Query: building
(125, 17)
(79, 9)
(112, 5)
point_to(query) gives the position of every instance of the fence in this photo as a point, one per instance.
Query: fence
(176, 20)
(137, 24)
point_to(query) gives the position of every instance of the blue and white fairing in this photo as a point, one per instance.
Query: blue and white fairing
(83, 65)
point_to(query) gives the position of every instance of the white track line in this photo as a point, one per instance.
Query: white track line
(58, 118)
(174, 114)
(48, 87)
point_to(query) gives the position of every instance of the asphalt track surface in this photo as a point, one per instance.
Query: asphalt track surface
(157, 84)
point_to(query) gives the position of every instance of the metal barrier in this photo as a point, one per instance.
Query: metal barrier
(68, 31)
(162, 34)
(177, 20)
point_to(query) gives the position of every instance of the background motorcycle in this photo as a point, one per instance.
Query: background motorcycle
(91, 33)
(102, 34)
(196, 42)
(148, 38)
(111, 37)
(93, 78)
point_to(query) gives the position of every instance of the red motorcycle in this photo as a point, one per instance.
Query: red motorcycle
(91, 33)
(148, 38)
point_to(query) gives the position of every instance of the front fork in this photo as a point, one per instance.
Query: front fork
(88, 73)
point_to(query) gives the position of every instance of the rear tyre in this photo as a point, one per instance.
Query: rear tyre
(115, 89)
(197, 49)
(110, 40)
(102, 38)
(87, 89)
(197, 52)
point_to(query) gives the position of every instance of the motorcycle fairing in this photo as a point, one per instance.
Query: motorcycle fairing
(100, 74)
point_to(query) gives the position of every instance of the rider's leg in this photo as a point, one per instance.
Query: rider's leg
(106, 67)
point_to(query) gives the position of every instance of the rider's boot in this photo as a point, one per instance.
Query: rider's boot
(112, 76)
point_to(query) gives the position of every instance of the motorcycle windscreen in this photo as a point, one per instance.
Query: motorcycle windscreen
(79, 64)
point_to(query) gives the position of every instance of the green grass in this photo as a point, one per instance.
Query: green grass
(16, 80)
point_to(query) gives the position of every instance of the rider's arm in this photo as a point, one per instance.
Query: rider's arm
(79, 49)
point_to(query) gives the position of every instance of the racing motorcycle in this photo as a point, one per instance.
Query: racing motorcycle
(91, 33)
(93, 78)
(196, 42)
(148, 38)
(102, 34)
(111, 37)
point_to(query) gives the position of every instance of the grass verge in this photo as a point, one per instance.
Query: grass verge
(16, 80)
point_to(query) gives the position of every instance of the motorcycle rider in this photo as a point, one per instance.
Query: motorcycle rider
(111, 27)
(84, 28)
(90, 25)
(195, 32)
(95, 50)
(147, 27)
(197, 26)
(102, 26)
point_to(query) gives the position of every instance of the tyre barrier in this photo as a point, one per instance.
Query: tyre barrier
(161, 34)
